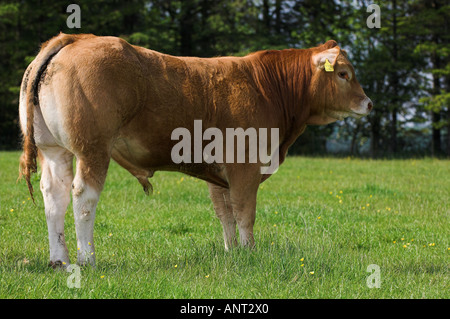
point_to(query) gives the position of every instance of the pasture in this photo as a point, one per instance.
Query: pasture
(320, 223)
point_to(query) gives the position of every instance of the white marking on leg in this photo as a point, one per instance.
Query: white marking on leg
(228, 224)
(229, 233)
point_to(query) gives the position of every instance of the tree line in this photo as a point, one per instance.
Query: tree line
(403, 66)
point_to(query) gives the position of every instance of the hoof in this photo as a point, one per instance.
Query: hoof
(58, 264)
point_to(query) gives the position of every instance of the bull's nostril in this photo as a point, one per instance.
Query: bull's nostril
(369, 106)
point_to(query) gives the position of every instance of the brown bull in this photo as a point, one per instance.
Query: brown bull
(98, 98)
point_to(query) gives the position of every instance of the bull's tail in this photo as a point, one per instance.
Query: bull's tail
(30, 84)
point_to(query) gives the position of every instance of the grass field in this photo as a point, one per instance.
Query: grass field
(320, 223)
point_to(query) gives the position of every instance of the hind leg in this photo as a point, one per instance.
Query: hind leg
(87, 186)
(56, 178)
(222, 206)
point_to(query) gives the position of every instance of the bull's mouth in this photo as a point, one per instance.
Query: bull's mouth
(340, 115)
(357, 115)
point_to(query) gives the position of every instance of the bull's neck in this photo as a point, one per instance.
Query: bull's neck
(283, 78)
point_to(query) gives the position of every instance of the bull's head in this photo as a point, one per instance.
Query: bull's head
(334, 87)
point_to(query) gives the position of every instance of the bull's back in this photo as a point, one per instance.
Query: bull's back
(181, 90)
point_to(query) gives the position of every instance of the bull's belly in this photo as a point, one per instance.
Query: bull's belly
(142, 160)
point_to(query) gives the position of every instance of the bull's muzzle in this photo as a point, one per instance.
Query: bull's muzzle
(364, 108)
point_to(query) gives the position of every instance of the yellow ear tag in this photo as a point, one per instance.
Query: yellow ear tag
(328, 66)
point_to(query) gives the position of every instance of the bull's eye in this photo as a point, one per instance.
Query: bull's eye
(343, 75)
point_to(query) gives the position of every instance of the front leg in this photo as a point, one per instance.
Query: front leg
(220, 197)
(244, 183)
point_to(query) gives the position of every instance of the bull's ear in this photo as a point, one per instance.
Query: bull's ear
(328, 45)
(325, 59)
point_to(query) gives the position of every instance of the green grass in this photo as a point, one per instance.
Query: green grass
(333, 217)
